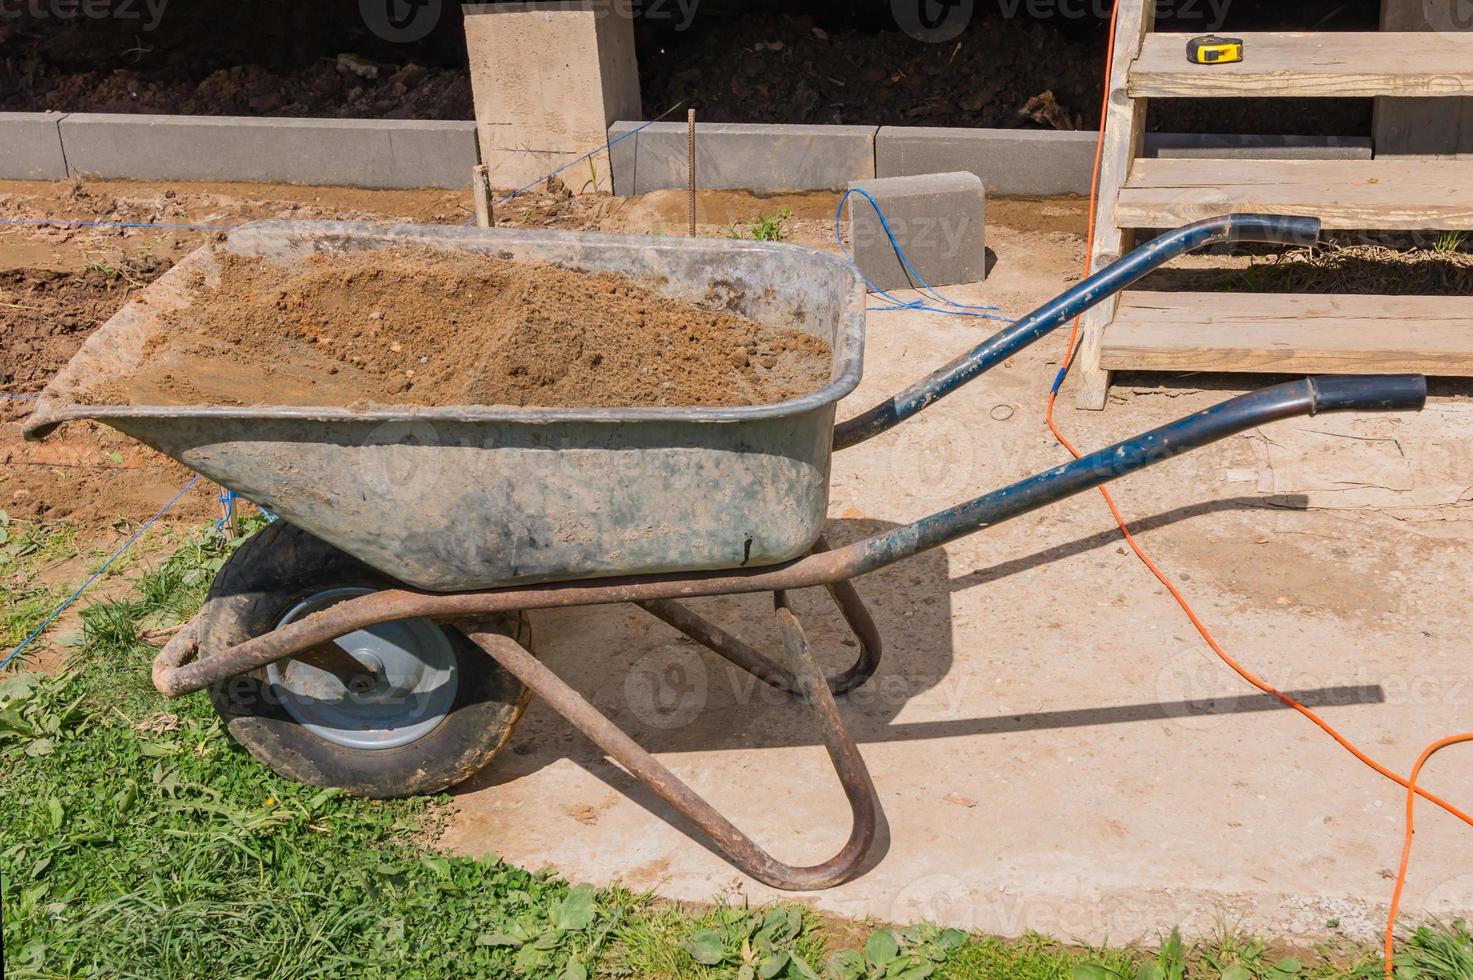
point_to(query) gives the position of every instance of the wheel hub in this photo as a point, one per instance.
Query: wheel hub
(406, 689)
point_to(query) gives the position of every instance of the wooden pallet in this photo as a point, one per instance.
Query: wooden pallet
(1275, 332)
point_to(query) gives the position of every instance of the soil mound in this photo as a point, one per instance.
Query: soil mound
(428, 327)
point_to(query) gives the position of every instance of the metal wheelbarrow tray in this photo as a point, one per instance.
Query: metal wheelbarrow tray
(472, 497)
(330, 654)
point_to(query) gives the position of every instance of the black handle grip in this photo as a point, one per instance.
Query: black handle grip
(1278, 229)
(1369, 393)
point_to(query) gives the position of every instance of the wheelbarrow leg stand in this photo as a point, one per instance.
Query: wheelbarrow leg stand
(809, 684)
(738, 652)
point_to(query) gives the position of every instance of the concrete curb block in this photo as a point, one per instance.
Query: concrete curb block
(742, 156)
(1009, 161)
(401, 153)
(938, 220)
(396, 153)
(30, 146)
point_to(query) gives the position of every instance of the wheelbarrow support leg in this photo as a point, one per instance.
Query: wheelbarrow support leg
(740, 653)
(810, 684)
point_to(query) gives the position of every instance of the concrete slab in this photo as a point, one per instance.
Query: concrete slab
(30, 146)
(1053, 746)
(740, 156)
(938, 220)
(349, 152)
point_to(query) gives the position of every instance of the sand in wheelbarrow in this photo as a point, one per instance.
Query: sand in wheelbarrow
(431, 327)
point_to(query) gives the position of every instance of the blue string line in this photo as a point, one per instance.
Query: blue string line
(590, 153)
(97, 574)
(227, 500)
(27, 398)
(956, 309)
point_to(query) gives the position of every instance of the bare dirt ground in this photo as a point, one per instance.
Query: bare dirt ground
(1054, 747)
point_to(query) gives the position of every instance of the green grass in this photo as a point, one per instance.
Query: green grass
(764, 228)
(28, 546)
(137, 840)
(1450, 241)
(27, 549)
(23, 609)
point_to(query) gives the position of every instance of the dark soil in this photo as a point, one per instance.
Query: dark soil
(425, 327)
(1362, 268)
(799, 62)
(1002, 72)
(211, 57)
(45, 316)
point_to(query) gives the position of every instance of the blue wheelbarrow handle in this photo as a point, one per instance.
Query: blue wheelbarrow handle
(174, 675)
(1272, 228)
(1308, 396)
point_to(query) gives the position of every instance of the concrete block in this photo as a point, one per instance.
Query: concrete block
(742, 156)
(352, 152)
(548, 80)
(1225, 146)
(939, 221)
(30, 146)
(1009, 161)
(1438, 128)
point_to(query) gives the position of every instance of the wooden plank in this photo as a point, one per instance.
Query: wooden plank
(1125, 126)
(1291, 333)
(1394, 194)
(1310, 65)
(1426, 128)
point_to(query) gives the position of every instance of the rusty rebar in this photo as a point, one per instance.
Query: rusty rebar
(691, 166)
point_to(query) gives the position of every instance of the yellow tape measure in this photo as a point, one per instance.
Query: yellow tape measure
(1209, 49)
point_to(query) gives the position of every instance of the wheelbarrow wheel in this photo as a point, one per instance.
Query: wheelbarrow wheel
(429, 710)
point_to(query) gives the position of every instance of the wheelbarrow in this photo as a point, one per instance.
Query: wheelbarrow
(375, 637)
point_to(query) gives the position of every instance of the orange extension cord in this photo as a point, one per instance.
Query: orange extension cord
(1413, 790)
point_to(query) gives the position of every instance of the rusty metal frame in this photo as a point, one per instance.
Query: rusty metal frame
(802, 677)
(808, 682)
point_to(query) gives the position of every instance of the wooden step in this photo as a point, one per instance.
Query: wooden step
(1291, 333)
(1385, 194)
(1297, 65)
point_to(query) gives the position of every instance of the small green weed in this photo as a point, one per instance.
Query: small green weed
(776, 942)
(909, 954)
(103, 269)
(1436, 952)
(765, 228)
(22, 611)
(1450, 241)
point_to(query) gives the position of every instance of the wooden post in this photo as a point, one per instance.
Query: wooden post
(481, 189)
(1125, 121)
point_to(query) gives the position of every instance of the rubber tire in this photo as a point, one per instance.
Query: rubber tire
(270, 573)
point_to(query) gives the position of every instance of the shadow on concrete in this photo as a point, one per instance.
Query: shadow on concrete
(1111, 536)
(673, 696)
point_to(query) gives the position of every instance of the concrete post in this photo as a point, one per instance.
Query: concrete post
(1441, 127)
(548, 80)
